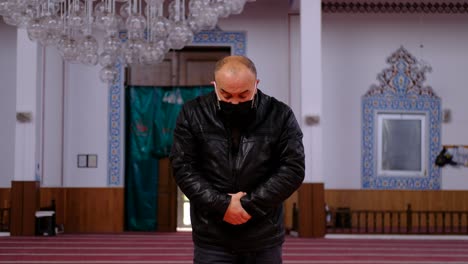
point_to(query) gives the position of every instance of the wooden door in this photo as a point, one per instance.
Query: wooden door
(190, 66)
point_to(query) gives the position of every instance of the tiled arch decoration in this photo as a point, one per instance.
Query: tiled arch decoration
(401, 89)
(235, 40)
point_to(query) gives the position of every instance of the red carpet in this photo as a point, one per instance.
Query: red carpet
(176, 248)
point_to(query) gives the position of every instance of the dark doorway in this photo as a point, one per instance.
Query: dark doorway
(191, 66)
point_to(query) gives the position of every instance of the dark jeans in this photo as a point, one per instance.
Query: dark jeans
(212, 256)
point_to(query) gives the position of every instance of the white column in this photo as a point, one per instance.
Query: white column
(311, 87)
(52, 107)
(27, 95)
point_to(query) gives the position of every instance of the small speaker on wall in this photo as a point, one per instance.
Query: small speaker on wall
(24, 117)
(312, 120)
(446, 115)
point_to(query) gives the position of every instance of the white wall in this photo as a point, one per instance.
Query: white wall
(266, 24)
(295, 64)
(7, 102)
(86, 125)
(355, 49)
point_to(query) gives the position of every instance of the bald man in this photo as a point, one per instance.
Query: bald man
(237, 155)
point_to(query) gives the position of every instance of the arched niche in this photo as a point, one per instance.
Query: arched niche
(401, 128)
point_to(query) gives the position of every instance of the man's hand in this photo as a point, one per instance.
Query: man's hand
(235, 214)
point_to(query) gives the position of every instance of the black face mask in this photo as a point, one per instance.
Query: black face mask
(238, 114)
(240, 109)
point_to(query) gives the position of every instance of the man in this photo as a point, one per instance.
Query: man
(237, 155)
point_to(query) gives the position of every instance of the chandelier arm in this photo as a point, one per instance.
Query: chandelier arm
(177, 10)
(182, 10)
(160, 8)
(148, 23)
(89, 14)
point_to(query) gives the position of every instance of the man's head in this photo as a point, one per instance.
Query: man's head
(235, 79)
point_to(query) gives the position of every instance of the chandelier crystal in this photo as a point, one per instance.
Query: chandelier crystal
(153, 27)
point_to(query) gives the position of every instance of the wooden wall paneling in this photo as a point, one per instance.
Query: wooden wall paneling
(288, 210)
(30, 206)
(311, 210)
(57, 194)
(116, 208)
(167, 198)
(74, 214)
(24, 204)
(90, 210)
(5, 197)
(5, 203)
(16, 225)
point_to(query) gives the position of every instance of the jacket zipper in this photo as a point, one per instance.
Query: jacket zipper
(230, 159)
(236, 162)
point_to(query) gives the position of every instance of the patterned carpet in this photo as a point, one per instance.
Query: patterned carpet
(176, 248)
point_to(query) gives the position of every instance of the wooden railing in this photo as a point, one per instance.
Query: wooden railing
(345, 220)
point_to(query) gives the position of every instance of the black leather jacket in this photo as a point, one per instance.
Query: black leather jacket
(269, 167)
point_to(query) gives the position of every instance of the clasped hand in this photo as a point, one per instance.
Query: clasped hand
(235, 213)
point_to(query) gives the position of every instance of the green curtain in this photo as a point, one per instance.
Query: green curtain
(151, 114)
(170, 102)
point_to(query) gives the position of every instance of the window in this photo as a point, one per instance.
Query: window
(401, 148)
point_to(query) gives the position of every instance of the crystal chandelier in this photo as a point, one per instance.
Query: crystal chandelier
(153, 27)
